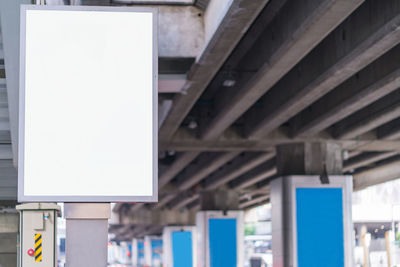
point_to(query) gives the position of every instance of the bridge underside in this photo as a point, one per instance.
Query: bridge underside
(236, 81)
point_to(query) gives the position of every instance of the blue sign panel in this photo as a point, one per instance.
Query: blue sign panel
(140, 254)
(320, 240)
(222, 237)
(156, 247)
(182, 250)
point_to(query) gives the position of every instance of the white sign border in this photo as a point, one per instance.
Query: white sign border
(21, 193)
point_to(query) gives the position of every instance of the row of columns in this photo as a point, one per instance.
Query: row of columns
(311, 217)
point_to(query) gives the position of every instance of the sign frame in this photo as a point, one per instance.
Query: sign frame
(21, 138)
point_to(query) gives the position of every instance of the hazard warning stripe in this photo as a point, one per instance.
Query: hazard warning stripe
(38, 247)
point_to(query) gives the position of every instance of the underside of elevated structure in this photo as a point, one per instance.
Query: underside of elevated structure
(238, 79)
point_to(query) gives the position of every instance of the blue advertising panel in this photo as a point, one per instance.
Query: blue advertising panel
(156, 248)
(182, 250)
(223, 242)
(320, 235)
(140, 255)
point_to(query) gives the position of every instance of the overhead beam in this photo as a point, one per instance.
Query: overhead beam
(194, 205)
(180, 203)
(256, 175)
(377, 175)
(254, 201)
(194, 173)
(148, 216)
(206, 164)
(243, 47)
(370, 84)
(238, 166)
(366, 159)
(229, 32)
(389, 131)
(262, 171)
(369, 118)
(164, 200)
(232, 141)
(353, 45)
(176, 167)
(295, 31)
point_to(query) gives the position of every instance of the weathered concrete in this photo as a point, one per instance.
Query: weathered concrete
(260, 173)
(238, 167)
(205, 165)
(389, 131)
(220, 199)
(232, 141)
(366, 159)
(254, 201)
(357, 42)
(309, 159)
(377, 175)
(181, 31)
(177, 166)
(373, 82)
(296, 30)
(369, 118)
(237, 19)
(158, 217)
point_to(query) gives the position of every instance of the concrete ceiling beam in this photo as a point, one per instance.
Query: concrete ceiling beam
(380, 174)
(230, 30)
(254, 201)
(263, 171)
(206, 164)
(389, 131)
(294, 32)
(370, 84)
(366, 159)
(238, 166)
(352, 46)
(369, 118)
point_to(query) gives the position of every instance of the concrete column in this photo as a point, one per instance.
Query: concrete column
(219, 227)
(153, 251)
(8, 237)
(220, 199)
(86, 234)
(179, 246)
(311, 207)
(309, 158)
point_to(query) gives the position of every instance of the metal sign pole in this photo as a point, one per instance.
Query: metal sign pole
(86, 234)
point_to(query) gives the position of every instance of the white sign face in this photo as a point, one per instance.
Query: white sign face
(88, 104)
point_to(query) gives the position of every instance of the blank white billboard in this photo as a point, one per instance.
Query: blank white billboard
(88, 104)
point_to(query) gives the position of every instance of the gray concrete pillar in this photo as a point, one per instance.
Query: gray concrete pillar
(221, 199)
(219, 227)
(309, 158)
(86, 234)
(311, 207)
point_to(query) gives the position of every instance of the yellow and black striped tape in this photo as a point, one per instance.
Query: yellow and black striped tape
(38, 247)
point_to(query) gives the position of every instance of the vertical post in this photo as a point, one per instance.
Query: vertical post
(310, 199)
(86, 234)
(388, 240)
(364, 241)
